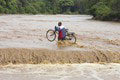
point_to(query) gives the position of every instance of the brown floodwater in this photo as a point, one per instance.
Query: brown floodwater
(29, 31)
(23, 42)
(86, 71)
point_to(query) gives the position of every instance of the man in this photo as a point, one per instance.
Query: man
(61, 30)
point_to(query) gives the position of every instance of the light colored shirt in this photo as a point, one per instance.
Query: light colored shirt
(61, 27)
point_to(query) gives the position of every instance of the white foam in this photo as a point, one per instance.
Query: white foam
(86, 71)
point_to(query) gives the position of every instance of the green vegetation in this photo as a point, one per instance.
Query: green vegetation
(106, 10)
(100, 9)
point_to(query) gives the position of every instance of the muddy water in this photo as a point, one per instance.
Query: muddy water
(28, 31)
(84, 71)
(26, 34)
(23, 41)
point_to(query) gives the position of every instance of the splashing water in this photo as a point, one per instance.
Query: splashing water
(86, 71)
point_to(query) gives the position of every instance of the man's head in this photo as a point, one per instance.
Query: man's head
(59, 23)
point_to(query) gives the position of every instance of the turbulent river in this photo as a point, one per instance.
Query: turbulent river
(85, 71)
(26, 54)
